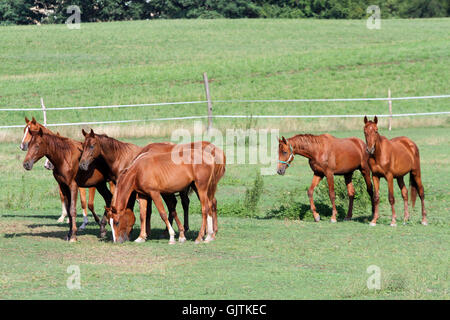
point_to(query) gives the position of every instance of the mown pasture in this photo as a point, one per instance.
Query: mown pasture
(274, 251)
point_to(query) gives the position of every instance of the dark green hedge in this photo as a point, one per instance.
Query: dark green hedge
(54, 11)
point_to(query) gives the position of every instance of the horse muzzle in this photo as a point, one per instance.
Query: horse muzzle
(122, 239)
(370, 150)
(28, 165)
(281, 171)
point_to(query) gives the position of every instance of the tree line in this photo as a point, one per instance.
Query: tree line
(55, 11)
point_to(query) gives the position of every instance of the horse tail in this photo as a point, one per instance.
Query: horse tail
(413, 186)
(218, 172)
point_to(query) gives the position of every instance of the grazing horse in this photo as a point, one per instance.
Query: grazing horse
(151, 174)
(119, 155)
(34, 126)
(394, 159)
(328, 156)
(64, 154)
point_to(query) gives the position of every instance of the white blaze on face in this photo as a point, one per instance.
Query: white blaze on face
(23, 139)
(111, 222)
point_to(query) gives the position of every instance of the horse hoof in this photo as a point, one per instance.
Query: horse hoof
(333, 221)
(317, 219)
(393, 224)
(424, 223)
(83, 226)
(198, 241)
(182, 240)
(172, 242)
(139, 240)
(73, 240)
(60, 220)
(209, 239)
(372, 224)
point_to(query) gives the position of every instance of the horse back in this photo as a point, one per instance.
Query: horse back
(346, 154)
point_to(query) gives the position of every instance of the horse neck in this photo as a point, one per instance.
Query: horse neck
(378, 146)
(54, 152)
(123, 190)
(303, 145)
(119, 156)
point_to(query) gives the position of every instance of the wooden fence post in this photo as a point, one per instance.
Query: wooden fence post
(44, 111)
(208, 97)
(390, 109)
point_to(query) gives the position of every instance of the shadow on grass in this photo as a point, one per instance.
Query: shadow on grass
(161, 234)
(55, 217)
(302, 211)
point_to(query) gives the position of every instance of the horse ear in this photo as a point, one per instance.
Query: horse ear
(91, 133)
(283, 139)
(365, 119)
(40, 132)
(57, 133)
(26, 120)
(375, 120)
(84, 134)
(33, 120)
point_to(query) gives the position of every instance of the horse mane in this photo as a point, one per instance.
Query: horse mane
(60, 143)
(306, 139)
(113, 145)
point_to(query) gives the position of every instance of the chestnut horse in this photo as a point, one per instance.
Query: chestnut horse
(328, 156)
(34, 125)
(394, 159)
(152, 174)
(64, 154)
(118, 156)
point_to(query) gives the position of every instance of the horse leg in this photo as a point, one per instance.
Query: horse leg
(401, 185)
(351, 194)
(185, 203)
(63, 206)
(72, 236)
(143, 202)
(91, 204)
(390, 181)
(171, 202)
(156, 197)
(214, 214)
(315, 181)
(206, 215)
(418, 180)
(84, 207)
(376, 199)
(365, 171)
(332, 194)
(107, 196)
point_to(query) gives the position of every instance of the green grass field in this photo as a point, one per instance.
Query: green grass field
(276, 251)
(163, 61)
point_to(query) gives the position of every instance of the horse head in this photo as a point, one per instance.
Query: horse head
(31, 125)
(36, 149)
(91, 149)
(121, 223)
(371, 134)
(285, 155)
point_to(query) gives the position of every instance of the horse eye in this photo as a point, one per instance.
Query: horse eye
(284, 152)
(91, 147)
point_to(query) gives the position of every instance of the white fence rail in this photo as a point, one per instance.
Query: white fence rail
(210, 115)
